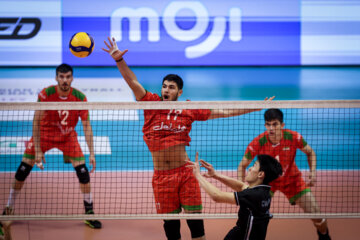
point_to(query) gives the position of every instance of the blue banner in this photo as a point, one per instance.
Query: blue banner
(188, 33)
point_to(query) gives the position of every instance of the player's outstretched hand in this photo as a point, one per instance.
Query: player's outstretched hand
(92, 163)
(113, 49)
(269, 99)
(211, 171)
(194, 165)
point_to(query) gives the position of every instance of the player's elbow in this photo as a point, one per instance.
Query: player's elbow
(216, 196)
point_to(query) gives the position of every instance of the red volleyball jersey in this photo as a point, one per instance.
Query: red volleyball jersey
(170, 127)
(59, 124)
(284, 152)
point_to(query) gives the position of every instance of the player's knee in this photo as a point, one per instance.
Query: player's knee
(83, 174)
(196, 228)
(23, 171)
(172, 229)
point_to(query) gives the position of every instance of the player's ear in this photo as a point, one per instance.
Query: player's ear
(261, 175)
(180, 92)
(282, 125)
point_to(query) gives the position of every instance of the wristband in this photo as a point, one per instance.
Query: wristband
(119, 60)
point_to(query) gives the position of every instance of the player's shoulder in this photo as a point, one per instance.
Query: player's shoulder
(45, 93)
(78, 94)
(290, 134)
(261, 137)
(149, 96)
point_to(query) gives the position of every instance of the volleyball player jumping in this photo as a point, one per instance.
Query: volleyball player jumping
(166, 133)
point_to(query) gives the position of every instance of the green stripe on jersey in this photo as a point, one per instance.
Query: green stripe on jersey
(248, 155)
(78, 94)
(288, 136)
(263, 141)
(50, 90)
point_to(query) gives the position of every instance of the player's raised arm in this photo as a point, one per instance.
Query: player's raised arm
(129, 76)
(89, 137)
(245, 162)
(216, 194)
(236, 185)
(224, 113)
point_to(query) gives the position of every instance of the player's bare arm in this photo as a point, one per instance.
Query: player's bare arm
(216, 194)
(234, 184)
(311, 157)
(90, 142)
(39, 155)
(129, 76)
(242, 167)
(224, 113)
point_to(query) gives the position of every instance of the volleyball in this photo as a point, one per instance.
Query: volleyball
(81, 44)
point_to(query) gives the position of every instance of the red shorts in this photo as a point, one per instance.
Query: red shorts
(70, 147)
(175, 189)
(292, 186)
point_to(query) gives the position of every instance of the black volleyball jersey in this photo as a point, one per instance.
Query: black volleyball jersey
(254, 214)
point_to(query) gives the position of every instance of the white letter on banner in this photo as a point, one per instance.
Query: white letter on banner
(135, 16)
(207, 46)
(235, 34)
(202, 20)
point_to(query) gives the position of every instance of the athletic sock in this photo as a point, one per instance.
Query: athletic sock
(12, 197)
(87, 197)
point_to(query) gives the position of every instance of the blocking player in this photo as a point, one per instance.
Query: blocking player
(166, 133)
(282, 144)
(253, 198)
(56, 129)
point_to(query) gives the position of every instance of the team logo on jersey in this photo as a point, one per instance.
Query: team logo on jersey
(286, 149)
(169, 127)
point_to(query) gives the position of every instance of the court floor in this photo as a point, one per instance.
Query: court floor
(279, 229)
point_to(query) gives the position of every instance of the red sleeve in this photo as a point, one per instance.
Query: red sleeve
(201, 114)
(84, 114)
(151, 97)
(300, 142)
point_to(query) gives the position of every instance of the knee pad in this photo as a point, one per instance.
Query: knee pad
(196, 228)
(82, 173)
(172, 229)
(23, 171)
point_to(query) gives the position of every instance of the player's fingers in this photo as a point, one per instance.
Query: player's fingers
(111, 44)
(107, 44)
(197, 157)
(123, 52)
(43, 159)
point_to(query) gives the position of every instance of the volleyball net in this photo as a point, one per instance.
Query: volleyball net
(121, 185)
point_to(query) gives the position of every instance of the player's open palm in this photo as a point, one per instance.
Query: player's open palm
(113, 49)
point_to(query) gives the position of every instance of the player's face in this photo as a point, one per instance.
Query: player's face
(170, 91)
(253, 173)
(64, 81)
(274, 128)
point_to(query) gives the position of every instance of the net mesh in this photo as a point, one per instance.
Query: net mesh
(121, 185)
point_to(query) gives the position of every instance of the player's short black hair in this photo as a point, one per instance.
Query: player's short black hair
(274, 114)
(64, 68)
(174, 78)
(270, 166)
